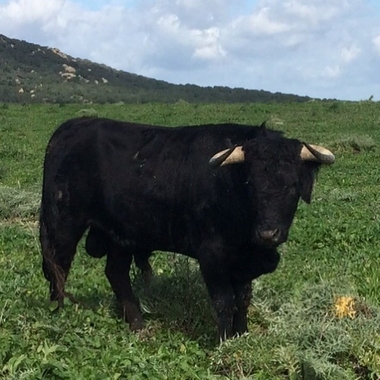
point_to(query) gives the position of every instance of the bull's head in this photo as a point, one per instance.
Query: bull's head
(277, 173)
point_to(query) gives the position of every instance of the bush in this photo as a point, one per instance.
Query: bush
(18, 203)
(87, 112)
(357, 143)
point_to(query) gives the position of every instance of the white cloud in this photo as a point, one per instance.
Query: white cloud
(315, 13)
(376, 43)
(313, 48)
(350, 53)
(260, 23)
(194, 14)
(207, 44)
(331, 72)
(25, 11)
(169, 22)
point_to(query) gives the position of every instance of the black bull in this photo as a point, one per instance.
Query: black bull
(225, 195)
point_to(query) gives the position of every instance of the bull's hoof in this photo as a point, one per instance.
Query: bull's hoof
(131, 314)
(136, 325)
(239, 326)
(147, 275)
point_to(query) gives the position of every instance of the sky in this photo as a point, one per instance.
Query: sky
(318, 48)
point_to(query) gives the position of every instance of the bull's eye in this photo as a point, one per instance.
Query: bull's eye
(290, 188)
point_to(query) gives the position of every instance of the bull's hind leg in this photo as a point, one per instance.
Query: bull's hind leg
(117, 271)
(58, 250)
(142, 262)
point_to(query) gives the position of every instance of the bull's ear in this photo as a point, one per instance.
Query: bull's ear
(263, 128)
(309, 171)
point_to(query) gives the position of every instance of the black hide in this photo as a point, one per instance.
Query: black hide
(139, 188)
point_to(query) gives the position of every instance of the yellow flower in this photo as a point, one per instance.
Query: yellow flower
(345, 307)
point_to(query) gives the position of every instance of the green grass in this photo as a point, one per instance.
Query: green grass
(333, 251)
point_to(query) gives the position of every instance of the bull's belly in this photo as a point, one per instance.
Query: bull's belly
(147, 237)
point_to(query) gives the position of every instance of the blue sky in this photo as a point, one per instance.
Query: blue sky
(375, 3)
(98, 4)
(320, 48)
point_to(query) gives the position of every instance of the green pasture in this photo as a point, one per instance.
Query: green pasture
(296, 330)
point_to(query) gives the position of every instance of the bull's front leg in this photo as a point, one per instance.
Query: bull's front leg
(265, 260)
(243, 297)
(217, 280)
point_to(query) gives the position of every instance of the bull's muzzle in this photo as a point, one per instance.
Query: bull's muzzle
(270, 237)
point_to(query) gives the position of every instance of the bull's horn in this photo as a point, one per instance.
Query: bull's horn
(233, 155)
(317, 153)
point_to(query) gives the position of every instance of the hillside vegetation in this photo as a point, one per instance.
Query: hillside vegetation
(33, 74)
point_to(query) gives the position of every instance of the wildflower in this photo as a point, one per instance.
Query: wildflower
(345, 307)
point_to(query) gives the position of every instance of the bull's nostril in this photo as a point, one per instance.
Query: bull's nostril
(270, 235)
(276, 234)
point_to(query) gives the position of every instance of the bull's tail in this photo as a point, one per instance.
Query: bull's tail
(57, 254)
(50, 266)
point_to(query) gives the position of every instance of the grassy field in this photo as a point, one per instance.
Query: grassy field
(316, 317)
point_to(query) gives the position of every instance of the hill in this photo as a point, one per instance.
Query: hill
(33, 73)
